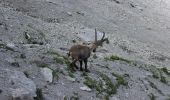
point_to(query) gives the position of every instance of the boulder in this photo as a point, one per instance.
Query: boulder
(47, 73)
(16, 86)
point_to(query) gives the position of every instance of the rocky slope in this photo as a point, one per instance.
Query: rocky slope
(35, 36)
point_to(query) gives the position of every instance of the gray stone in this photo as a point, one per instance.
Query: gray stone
(11, 45)
(16, 85)
(85, 88)
(47, 73)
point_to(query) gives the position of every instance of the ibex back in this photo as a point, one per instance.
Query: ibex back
(81, 53)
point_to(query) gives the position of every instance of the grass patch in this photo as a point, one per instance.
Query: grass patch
(155, 74)
(120, 80)
(91, 83)
(105, 86)
(95, 56)
(84, 74)
(114, 58)
(55, 74)
(75, 96)
(43, 65)
(163, 79)
(152, 96)
(39, 94)
(165, 70)
(59, 60)
(158, 73)
(65, 97)
(71, 74)
(110, 87)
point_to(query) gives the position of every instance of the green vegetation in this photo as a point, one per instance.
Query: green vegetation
(39, 94)
(84, 74)
(158, 73)
(105, 85)
(152, 96)
(114, 58)
(165, 70)
(163, 79)
(120, 80)
(43, 65)
(110, 87)
(90, 82)
(95, 56)
(59, 60)
(75, 96)
(65, 97)
(71, 74)
(55, 74)
(155, 74)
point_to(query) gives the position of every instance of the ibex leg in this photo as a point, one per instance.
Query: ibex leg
(81, 62)
(85, 62)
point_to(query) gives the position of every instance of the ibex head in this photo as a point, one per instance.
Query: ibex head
(97, 43)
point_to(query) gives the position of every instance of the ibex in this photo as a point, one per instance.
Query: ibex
(82, 52)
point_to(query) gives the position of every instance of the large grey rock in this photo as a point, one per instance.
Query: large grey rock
(16, 86)
(47, 73)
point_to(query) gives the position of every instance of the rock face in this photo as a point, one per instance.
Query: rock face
(15, 86)
(47, 73)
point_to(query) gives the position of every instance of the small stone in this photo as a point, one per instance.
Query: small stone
(27, 36)
(10, 45)
(47, 73)
(85, 88)
(69, 13)
(80, 13)
(149, 74)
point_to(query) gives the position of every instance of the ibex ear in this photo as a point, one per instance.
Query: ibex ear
(106, 39)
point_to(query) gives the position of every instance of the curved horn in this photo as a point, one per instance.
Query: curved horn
(103, 35)
(95, 35)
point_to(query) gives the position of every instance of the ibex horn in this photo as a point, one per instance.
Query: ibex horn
(103, 35)
(95, 35)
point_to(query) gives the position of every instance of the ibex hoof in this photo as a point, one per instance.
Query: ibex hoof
(77, 68)
(86, 70)
(81, 69)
